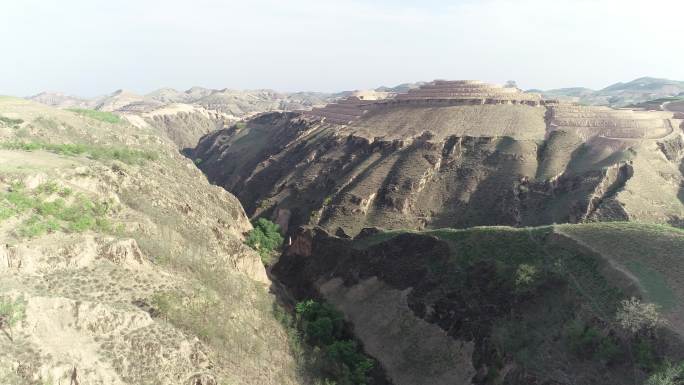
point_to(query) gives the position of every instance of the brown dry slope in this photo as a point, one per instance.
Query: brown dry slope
(452, 154)
(121, 264)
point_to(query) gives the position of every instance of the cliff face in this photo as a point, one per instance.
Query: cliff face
(121, 264)
(432, 159)
(185, 124)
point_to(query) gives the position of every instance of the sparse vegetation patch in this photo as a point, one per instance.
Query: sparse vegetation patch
(102, 116)
(668, 374)
(77, 214)
(123, 154)
(222, 309)
(11, 312)
(9, 121)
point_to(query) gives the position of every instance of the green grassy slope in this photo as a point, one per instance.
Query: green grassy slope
(566, 284)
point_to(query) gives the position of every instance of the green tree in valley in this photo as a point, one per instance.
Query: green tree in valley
(265, 238)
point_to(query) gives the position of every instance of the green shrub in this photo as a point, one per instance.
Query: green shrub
(322, 324)
(162, 303)
(198, 161)
(9, 121)
(47, 188)
(265, 238)
(125, 155)
(103, 116)
(667, 374)
(323, 327)
(514, 338)
(581, 338)
(608, 350)
(525, 276)
(644, 354)
(37, 226)
(65, 192)
(587, 341)
(11, 312)
(352, 364)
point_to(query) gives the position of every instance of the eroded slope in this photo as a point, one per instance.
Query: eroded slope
(468, 155)
(121, 264)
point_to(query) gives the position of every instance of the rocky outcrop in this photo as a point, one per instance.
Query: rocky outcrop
(185, 124)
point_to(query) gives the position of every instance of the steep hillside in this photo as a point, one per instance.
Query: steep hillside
(183, 124)
(452, 154)
(571, 304)
(121, 264)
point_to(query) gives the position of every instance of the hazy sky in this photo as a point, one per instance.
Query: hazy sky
(91, 47)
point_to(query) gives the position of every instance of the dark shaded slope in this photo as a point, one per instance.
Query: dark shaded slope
(480, 306)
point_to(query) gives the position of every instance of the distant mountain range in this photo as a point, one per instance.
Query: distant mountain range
(237, 103)
(620, 94)
(242, 103)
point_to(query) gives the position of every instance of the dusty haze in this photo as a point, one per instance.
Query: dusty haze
(88, 48)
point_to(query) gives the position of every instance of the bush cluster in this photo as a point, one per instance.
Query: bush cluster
(102, 116)
(668, 374)
(265, 238)
(9, 121)
(11, 312)
(76, 215)
(587, 341)
(323, 327)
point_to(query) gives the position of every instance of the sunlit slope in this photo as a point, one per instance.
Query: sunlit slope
(452, 162)
(121, 264)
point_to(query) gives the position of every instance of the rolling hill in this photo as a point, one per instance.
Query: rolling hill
(620, 94)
